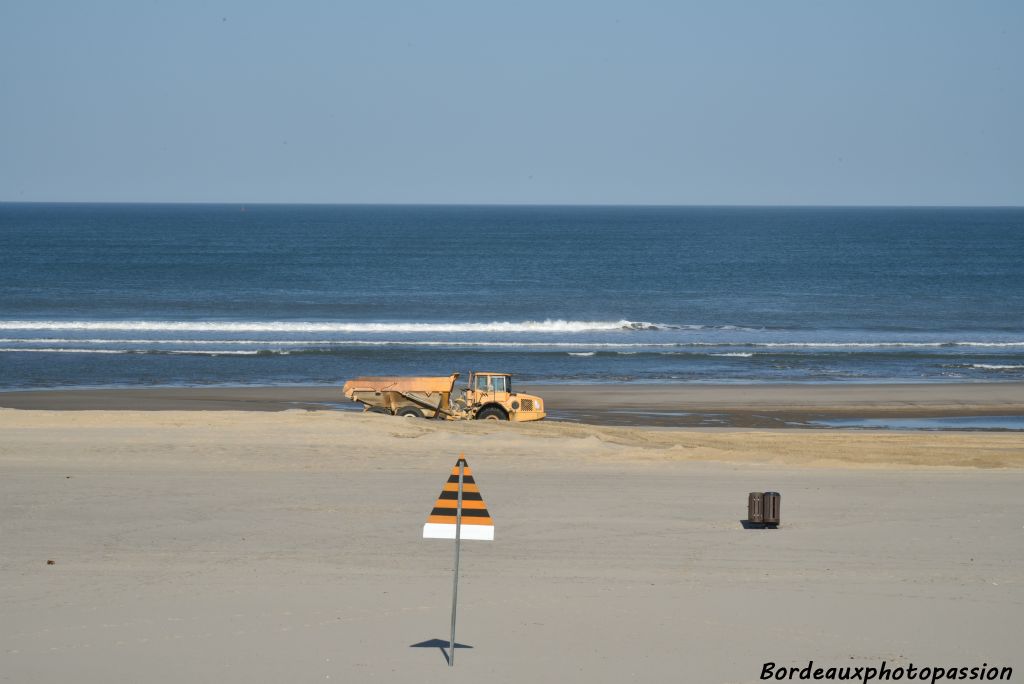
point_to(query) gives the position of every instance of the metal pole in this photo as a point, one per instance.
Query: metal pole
(455, 579)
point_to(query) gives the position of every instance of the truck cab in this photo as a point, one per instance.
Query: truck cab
(489, 396)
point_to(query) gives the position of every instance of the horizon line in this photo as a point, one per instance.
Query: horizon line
(222, 203)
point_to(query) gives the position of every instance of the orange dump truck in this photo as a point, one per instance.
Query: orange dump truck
(488, 396)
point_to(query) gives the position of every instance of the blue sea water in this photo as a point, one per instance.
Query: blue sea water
(100, 295)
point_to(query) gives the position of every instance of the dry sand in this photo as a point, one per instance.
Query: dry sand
(270, 547)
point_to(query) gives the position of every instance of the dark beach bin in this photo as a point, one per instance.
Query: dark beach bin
(754, 507)
(771, 503)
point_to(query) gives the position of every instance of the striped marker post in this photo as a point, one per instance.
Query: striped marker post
(459, 513)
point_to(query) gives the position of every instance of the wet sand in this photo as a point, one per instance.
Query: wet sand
(679, 405)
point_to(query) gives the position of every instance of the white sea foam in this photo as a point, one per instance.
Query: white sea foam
(510, 343)
(857, 345)
(329, 343)
(59, 350)
(997, 366)
(546, 326)
(988, 344)
(582, 353)
(214, 352)
(210, 337)
(63, 350)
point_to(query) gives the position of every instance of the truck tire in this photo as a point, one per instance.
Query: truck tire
(491, 413)
(409, 412)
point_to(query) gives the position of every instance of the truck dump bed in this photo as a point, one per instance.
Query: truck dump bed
(397, 383)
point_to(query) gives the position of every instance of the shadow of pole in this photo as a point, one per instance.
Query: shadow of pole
(441, 644)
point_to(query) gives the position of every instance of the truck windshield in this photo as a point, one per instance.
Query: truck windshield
(493, 383)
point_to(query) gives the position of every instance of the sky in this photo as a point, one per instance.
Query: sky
(573, 102)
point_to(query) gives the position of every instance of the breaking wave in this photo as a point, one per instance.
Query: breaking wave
(545, 326)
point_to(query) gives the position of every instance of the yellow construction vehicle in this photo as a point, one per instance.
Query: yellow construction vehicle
(488, 396)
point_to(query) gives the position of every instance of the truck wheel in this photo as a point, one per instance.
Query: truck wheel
(378, 409)
(409, 412)
(491, 413)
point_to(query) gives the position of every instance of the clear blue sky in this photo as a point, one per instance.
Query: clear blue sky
(529, 102)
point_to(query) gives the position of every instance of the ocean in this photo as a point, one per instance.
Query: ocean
(96, 295)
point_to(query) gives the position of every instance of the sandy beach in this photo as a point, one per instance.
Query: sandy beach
(285, 546)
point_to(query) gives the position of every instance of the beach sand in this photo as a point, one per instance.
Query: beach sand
(667, 405)
(285, 546)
